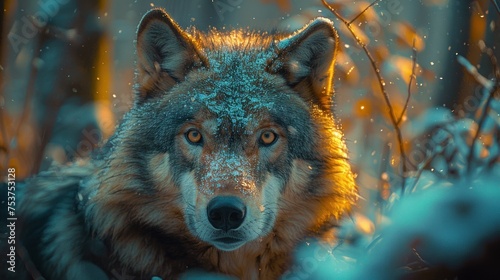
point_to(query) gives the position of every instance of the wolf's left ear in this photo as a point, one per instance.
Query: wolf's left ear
(165, 53)
(305, 60)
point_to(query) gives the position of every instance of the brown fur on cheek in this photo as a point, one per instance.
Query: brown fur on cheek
(168, 195)
(303, 213)
(299, 176)
(159, 167)
(123, 211)
(123, 197)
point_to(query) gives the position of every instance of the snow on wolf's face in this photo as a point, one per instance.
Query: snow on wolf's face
(236, 145)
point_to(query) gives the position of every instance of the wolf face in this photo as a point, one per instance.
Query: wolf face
(235, 147)
(229, 151)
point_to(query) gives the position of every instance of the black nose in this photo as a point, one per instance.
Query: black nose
(226, 212)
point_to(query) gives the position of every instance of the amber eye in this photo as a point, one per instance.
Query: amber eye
(268, 138)
(194, 136)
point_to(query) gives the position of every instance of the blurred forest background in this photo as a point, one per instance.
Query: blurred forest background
(67, 72)
(68, 69)
(68, 66)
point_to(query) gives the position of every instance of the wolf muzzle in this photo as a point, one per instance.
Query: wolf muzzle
(226, 212)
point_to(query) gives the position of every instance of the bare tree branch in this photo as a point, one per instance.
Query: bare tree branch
(412, 76)
(491, 88)
(362, 12)
(382, 88)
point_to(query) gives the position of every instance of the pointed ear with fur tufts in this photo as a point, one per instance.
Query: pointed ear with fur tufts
(165, 53)
(305, 60)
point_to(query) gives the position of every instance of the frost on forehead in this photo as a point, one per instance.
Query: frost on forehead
(237, 88)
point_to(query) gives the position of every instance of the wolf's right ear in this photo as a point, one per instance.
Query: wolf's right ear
(305, 60)
(165, 53)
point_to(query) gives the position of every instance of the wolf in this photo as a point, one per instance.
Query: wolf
(229, 158)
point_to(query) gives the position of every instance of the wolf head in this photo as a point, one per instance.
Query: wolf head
(230, 138)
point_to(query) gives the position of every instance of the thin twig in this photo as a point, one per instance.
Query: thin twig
(362, 12)
(487, 84)
(412, 76)
(415, 252)
(382, 88)
(373, 242)
(420, 170)
(496, 5)
(491, 87)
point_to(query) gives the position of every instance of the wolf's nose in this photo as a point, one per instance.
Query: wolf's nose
(226, 212)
